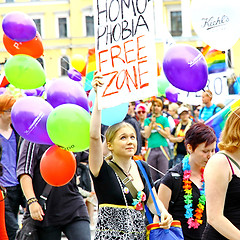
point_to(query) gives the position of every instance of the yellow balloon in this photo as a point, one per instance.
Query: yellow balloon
(78, 62)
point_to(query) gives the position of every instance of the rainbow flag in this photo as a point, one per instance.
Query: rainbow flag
(218, 120)
(90, 69)
(215, 61)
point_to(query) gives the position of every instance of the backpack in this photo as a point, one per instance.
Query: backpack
(214, 111)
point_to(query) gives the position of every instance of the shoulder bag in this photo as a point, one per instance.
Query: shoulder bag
(154, 232)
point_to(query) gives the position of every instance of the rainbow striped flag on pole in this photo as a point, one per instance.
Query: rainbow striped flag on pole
(216, 61)
(218, 120)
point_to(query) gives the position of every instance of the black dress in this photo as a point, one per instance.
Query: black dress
(177, 210)
(231, 209)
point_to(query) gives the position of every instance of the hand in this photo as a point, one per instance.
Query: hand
(180, 139)
(96, 82)
(166, 220)
(36, 211)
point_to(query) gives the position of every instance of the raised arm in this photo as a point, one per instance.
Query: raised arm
(217, 175)
(96, 148)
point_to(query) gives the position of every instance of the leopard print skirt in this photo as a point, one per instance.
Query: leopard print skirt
(119, 222)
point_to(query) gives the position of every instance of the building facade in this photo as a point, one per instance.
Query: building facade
(67, 28)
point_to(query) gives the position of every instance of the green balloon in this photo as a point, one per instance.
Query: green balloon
(68, 126)
(24, 72)
(162, 84)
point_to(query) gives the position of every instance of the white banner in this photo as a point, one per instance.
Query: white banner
(125, 50)
(217, 84)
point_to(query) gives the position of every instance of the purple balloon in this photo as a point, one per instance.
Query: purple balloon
(31, 92)
(74, 74)
(185, 68)
(40, 91)
(2, 90)
(29, 118)
(19, 26)
(171, 94)
(66, 91)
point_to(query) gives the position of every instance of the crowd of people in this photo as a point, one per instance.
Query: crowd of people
(191, 181)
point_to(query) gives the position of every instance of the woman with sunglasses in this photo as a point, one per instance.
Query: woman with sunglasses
(141, 114)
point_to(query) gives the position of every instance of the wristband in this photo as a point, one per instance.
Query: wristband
(31, 200)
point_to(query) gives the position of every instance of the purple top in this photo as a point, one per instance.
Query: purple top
(9, 162)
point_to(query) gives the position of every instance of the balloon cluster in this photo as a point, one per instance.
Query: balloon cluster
(63, 119)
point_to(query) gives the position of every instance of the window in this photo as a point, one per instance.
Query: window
(41, 62)
(9, 1)
(38, 25)
(64, 66)
(89, 26)
(62, 25)
(176, 23)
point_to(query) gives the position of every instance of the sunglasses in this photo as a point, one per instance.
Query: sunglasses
(141, 112)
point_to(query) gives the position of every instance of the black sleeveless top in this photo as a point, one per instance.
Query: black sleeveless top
(231, 209)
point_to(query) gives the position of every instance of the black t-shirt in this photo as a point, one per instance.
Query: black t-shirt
(177, 209)
(107, 187)
(64, 203)
(180, 146)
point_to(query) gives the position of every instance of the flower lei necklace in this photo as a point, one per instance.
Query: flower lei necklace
(188, 198)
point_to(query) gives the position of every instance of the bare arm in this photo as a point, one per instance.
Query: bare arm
(174, 139)
(217, 175)
(166, 218)
(164, 132)
(96, 147)
(164, 194)
(35, 209)
(148, 129)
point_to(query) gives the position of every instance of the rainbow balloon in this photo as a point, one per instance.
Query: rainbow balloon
(218, 120)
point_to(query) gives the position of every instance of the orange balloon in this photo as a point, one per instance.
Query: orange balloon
(33, 48)
(57, 166)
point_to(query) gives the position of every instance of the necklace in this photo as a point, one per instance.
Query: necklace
(127, 173)
(188, 198)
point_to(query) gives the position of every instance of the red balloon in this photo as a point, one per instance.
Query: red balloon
(33, 48)
(57, 166)
(4, 82)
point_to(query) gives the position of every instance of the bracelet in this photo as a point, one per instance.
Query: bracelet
(31, 200)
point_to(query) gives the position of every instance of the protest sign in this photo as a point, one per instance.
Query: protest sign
(125, 50)
(217, 84)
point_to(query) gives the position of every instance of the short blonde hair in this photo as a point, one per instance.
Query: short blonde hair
(173, 107)
(208, 93)
(230, 136)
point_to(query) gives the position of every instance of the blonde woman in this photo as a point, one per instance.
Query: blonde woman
(222, 179)
(120, 213)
